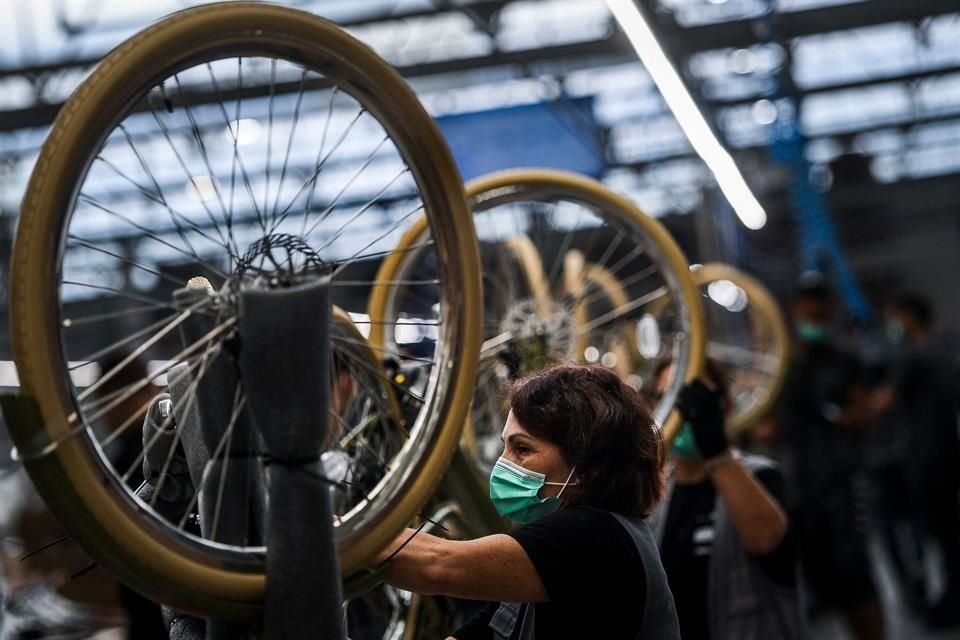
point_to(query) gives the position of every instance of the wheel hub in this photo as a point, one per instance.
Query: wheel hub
(542, 333)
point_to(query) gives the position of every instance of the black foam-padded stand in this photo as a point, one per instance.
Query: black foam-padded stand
(285, 366)
(204, 402)
(225, 513)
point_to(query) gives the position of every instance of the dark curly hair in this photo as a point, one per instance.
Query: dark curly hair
(603, 427)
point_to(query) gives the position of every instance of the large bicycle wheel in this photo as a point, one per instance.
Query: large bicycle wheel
(748, 339)
(252, 145)
(571, 270)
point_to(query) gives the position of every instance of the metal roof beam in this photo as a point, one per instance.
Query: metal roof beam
(906, 77)
(484, 7)
(685, 41)
(615, 46)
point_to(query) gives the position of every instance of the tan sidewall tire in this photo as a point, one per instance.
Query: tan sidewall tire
(763, 304)
(176, 571)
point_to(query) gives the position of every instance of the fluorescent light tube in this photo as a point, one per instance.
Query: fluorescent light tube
(685, 110)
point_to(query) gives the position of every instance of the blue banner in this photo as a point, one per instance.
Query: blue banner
(562, 134)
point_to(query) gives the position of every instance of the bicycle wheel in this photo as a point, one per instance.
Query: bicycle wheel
(570, 270)
(153, 174)
(748, 338)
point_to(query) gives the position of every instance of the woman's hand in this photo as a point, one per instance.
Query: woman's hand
(702, 407)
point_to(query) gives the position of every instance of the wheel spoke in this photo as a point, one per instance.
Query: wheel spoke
(192, 256)
(186, 172)
(158, 198)
(266, 169)
(336, 200)
(381, 350)
(211, 350)
(198, 139)
(78, 241)
(312, 180)
(68, 323)
(106, 377)
(386, 252)
(156, 304)
(393, 383)
(117, 344)
(396, 225)
(221, 448)
(235, 136)
(564, 246)
(336, 236)
(581, 298)
(317, 163)
(133, 388)
(286, 157)
(623, 310)
(225, 444)
(383, 283)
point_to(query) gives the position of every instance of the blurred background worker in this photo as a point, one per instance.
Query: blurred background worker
(823, 417)
(921, 401)
(723, 533)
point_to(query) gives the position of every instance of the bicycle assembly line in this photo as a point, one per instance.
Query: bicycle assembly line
(328, 352)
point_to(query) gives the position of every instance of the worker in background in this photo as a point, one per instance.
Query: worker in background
(723, 534)
(823, 417)
(921, 398)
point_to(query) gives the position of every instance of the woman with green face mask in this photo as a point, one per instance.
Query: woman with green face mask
(722, 531)
(581, 468)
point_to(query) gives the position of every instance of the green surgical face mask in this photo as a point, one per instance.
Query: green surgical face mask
(684, 446)
(514, 491)
(895, 333)
(811, 331)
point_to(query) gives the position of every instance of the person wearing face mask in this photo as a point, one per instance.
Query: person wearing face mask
(581, 468)
(722, 531)
(823, 417)
(921, 401)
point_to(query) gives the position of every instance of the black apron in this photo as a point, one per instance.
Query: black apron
(659, 614)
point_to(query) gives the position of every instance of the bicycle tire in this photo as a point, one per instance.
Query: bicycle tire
(762, 303)
(177, 571)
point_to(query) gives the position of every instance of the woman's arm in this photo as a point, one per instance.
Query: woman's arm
(494, 568)
(756, 515)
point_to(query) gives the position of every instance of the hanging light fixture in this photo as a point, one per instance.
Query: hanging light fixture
(685, 110)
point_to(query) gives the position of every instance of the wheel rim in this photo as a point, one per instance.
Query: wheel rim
(210, 577)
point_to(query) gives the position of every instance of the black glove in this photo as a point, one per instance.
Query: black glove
(701, 407)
